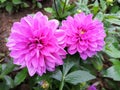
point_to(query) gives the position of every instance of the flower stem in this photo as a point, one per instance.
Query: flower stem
(64, 6)
(62, 83)
(56, 8)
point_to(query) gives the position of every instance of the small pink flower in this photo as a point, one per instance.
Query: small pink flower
(92, 87)
(36, 43)
(84, 35)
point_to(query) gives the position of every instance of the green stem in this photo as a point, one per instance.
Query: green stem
(56, 8)
(64, 6)
(62, 83)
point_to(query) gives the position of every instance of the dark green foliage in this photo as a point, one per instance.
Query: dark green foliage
(15, 5)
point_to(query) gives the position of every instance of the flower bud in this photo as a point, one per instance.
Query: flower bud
(45, 85)
(92, 88)
(79, 11)
(109, 1)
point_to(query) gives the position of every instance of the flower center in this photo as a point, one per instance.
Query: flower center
(35, 43)
(82, 31)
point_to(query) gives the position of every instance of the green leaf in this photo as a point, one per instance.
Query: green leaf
(7, 68)
(103, 5)
(57, 75)
(96, 3)
(16, 1)
(59, 5)
(112, 51)
(39, 5)
(67, 1)
(20, 77)
(85, 2)
(9, 81)
(84, 8)
(3, 86)
(112, 16)
(9, 7)
(48, 9)
(25, 5)
(79, 77)
(3, 66)
(97, 62)
(37, 88)
(115, 9)
(115, 61)
(113, 72)
(2, 1)
(95, 7)
(114, 21)
(99, 16)
(43, 77)
(67, 66)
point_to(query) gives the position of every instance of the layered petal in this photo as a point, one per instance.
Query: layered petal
(36, 43)
(83, 35)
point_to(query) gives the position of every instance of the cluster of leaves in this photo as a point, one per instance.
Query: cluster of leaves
(11, 76)
(6, 81)
(61, 9)
(102, 70)
(14, 5)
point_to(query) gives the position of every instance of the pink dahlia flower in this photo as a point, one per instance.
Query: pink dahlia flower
(36, 43)
(84, 35)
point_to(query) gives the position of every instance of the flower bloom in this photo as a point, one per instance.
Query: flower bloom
(84, 35)
(92, 88)
(36, 43)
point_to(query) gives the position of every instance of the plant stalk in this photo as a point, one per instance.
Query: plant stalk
(56, 8)
(64, 6)
(62, 83)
